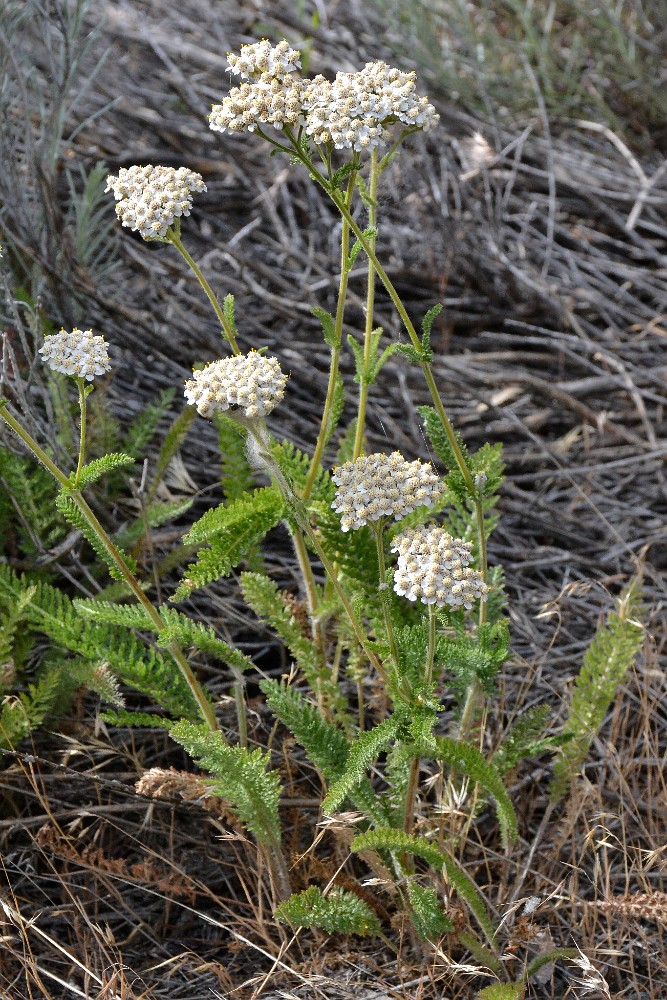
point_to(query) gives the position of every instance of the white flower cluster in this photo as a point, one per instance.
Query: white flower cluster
(380, 485)
(433, 568)
(150, 198)
(356, 110)
(250, 382)
(265, 101)
(77, 353)
(262, 57)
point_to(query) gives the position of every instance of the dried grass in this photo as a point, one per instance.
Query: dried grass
(550, 258)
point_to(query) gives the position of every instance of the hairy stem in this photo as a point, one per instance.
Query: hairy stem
(174, 238)
(370, 305)
(336, 347)
(81, 386)
(173, 648)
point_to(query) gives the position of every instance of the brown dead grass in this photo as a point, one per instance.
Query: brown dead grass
(550, 260)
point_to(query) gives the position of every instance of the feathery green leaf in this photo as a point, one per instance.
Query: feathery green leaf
(339, 912)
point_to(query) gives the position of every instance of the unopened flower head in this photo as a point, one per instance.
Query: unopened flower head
(77, 353)
(267, 100)
(357, 110)
(251, 383)
(380, 485)
(262, 57)
(434, 568)
(150, 198)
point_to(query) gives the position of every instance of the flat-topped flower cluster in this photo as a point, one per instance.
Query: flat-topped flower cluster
(434, 568)
(250, 382)
(356, 111)
(149, 199)
(78, 353)
(379, 485)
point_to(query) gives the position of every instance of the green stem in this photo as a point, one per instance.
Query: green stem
(77, 497)
(378, 532)
(239, 699)
(81, 386)
(174, 238)
(430, 654)
(335, 349)
(413, 781)
(297, 508)
(370, 305)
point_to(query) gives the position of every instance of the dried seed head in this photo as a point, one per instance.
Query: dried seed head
(150, 198)
(78, 353)
(433, 568)
(248, 382)
(380, 485)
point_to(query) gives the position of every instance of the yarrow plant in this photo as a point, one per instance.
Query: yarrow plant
(408, 604)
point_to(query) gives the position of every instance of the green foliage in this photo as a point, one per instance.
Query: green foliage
(173, 440)
(231, 531)
(128, 615)
(428, 917)
(27, 513)
(526, 739)
(503, 991)
(367, 370)
(240, 776)
(52, 613)
(605, 667)
(229, 311)
(152, 516)
(99, 467)
(369, 235)
(136, 720)
(461, 756)
(94, 230)
(237, 477)
(51, 695)
(263, 596)
(186, 632)
(71, 512)
(12, 612)
(325, 744)
(398, 842)
(423, 354)
(475, 657)
(362, 754)
(339, 912)
(145, 424)
(328, 326)
(485, 465)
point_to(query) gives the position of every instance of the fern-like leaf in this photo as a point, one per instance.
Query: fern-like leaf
(398, 842)
(503, 991)
(173, 440)
(428, 917)
(325, 744)
(73, 515)
(240, 776)
(363, 753)
(606, 664)
(99, 467)
(263, 596)
(186, 632)
(231, 531)
(129, 615)
(468, 759)
(526, 739)
(236, 474)
(339, 912)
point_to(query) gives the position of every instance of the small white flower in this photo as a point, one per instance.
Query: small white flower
(380, 485)
(266, 100)
(433, 568)
(150, 198)
(78, 353)
(262, 57)
(251, 382)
